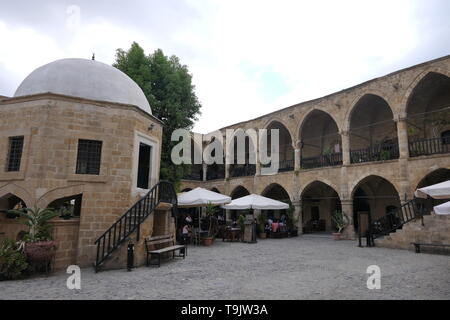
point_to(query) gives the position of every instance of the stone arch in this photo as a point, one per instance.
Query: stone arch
(59, 193)
(372, 130)
(282, 190)
(215, 190)
(375, 195)
(308, 114)
(186, 189)
(319, 202)
(286, 146)
(327, 182)
(368, 92)
(238, 192)
(272, 120)
(427, 108)
(355, 184)
(22, 193)
(432, 177)
(321, 143)
(410, 89)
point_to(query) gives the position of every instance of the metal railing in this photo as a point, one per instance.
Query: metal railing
(324, 160)
(131, 221)
(424, 147)
(243, 170)
(379, 152)
(215, 172)
(396, 219)
(283, 165)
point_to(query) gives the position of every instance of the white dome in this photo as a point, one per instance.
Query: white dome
(85, 79)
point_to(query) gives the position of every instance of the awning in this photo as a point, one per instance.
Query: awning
(254, 201)
(442, 208)
(436, 191)
(200, 197)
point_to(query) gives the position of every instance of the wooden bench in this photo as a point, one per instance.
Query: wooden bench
(167, 239)
(418, 244)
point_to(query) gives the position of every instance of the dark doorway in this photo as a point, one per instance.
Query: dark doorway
(144, 166)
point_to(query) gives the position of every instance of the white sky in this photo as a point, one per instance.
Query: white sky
(247, 57)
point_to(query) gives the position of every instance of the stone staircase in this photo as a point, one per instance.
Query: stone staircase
(436, 229)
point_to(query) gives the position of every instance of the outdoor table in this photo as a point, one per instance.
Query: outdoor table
(232, 234)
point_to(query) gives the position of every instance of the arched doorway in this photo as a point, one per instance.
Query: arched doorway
(286, 151)
(319, 202)
(374, 196)
(428, 116)
(321, 144)
(276, 192)
(373, 131)
(9, 228)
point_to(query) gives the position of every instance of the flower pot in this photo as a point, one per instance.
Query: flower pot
(41, 251)
(263, 235)
(337, 235)
(208, 241)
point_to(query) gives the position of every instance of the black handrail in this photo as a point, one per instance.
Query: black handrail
(131, 220)
(395, 219)
(424, 147)
(324, 160)
(378, 152)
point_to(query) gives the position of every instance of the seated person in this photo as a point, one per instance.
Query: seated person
(275, 226)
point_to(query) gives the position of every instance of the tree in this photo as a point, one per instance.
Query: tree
(167, 84)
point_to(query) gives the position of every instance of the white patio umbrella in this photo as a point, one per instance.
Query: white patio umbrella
(255, 201)
(436, 191)
(200, 197)
(443, 209)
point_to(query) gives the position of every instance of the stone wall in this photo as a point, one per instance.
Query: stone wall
(51, 126)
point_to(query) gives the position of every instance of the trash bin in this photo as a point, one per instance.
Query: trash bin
(130, 257)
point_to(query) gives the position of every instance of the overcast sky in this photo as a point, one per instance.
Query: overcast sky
(247, 57)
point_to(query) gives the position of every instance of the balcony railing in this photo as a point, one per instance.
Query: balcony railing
(195, 174)
(379, 152)
(425, 147)
(283, 165)
(243, 170)
(215, 172)
(324, 160)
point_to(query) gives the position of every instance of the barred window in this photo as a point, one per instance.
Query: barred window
(89, 156)
(14, 153)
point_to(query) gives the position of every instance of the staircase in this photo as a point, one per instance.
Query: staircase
(433, 229)
(395, 220)
(411, 222)
(130, 221)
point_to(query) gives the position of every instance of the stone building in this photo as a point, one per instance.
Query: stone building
(362, 149)
(81, 134)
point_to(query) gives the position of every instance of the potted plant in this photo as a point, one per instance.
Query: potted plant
(262, 220)
(65, 213)
(13, 262)
(39, 246)
(210, 211)
(340, 220)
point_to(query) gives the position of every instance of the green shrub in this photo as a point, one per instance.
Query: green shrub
(13, 262)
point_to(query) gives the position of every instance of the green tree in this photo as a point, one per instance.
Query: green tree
(167, 84)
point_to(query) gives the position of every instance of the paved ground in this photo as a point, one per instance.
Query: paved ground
(307, 267)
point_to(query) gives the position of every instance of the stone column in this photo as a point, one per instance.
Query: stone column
(402, 134)
(205, 171)
(297, 159)
(298, 213)
(345, 136)
(347, 208)
(227, 171)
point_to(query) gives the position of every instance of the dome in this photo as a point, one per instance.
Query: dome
(85, 79)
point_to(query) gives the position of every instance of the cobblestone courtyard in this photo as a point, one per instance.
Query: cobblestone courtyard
(306, 267)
